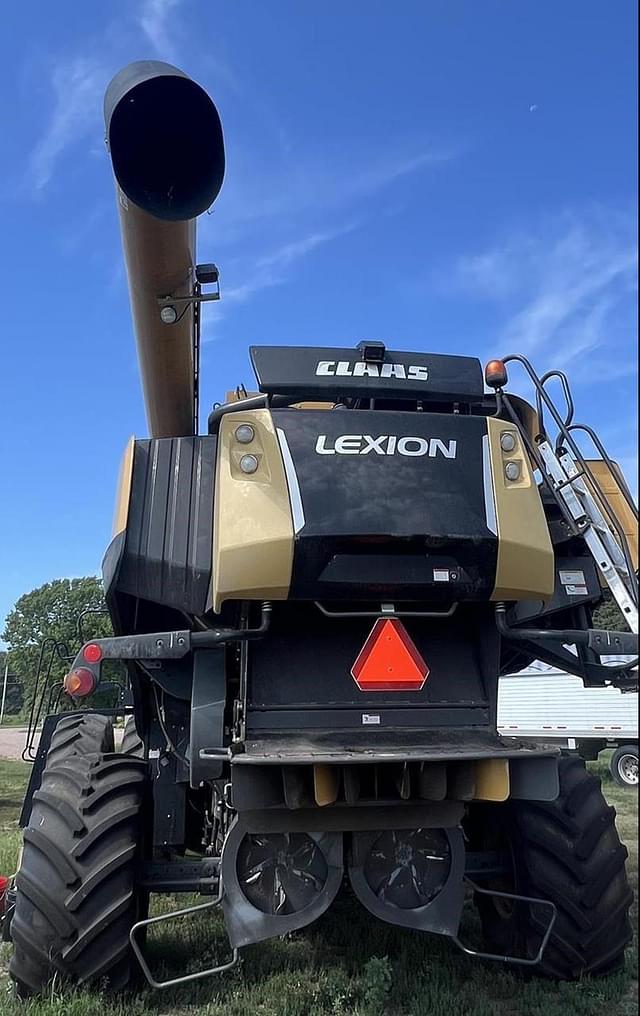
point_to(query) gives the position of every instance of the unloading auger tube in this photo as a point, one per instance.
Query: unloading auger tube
(313, 603)
(164, 136)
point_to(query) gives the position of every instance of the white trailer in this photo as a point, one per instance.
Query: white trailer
(554, 707)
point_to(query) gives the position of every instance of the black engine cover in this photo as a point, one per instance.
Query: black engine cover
(392, 504)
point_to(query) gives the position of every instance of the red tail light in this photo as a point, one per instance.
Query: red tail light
(80, 682)
(92, 653)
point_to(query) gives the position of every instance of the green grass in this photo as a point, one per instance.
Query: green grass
(347, 963)
(13, 782)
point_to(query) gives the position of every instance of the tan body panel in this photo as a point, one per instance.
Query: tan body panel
(123, 496)
(159, 258)
(239, 396)
(253, 525)
(313, 405)
(618, 504)
(326, 784)
(529, 419)
(525, 567)
(492, 779)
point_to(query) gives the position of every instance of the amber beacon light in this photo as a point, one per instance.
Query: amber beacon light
(495, 374)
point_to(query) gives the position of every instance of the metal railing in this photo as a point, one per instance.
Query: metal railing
(564, 442)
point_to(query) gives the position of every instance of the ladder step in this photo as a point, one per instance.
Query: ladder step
(570, 489)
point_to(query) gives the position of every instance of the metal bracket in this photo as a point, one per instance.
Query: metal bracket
(614, 643)
(164, 645)
(183, 876)
(185, 912)
(386, 610)
(517, 960)
(203, 274)
(170, 301)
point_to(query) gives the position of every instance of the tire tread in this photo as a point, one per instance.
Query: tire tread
(76, 892)
(567, 851)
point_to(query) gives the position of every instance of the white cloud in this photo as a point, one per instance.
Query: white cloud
(286, 199)
(300, 195)
(559, 288)
(77, 87)
(563, 294)
(154, 20)
(284, 256)
(269, 270)
(369, 181)
(287, 189)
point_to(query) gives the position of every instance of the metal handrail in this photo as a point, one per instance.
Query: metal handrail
(564, 381)
(602, 451)
(523, 961)
(47, 692)
(170, 916)
(42, 685)
(603, 503)
(88, 611)
(565, 429)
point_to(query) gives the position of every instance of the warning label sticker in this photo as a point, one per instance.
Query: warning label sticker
(572, 578)
(574, 582)
(440, 574)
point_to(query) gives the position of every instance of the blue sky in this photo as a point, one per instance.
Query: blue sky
(445, 176)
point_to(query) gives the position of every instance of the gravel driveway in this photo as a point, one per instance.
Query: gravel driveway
(12, 741)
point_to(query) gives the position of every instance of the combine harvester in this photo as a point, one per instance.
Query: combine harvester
(315, 600)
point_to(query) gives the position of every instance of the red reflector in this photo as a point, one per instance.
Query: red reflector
(92, 653)
(80, 682)
(389, 661)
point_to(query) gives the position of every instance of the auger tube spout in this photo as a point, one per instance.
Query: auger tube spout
(165, 140)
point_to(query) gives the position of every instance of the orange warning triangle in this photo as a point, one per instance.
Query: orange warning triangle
(389, 660)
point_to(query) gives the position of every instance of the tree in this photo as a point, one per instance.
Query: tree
(51, 612)
(13, 695)
(608, 615)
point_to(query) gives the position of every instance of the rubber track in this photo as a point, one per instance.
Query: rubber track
(76, 897)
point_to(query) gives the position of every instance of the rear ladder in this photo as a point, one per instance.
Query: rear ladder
(578, 492)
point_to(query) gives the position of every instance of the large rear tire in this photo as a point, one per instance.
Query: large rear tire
(76, 886)
(566, 851)
(132, 743)
(80, 734)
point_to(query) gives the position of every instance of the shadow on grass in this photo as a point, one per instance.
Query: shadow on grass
(346, 963)
(349, 963)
